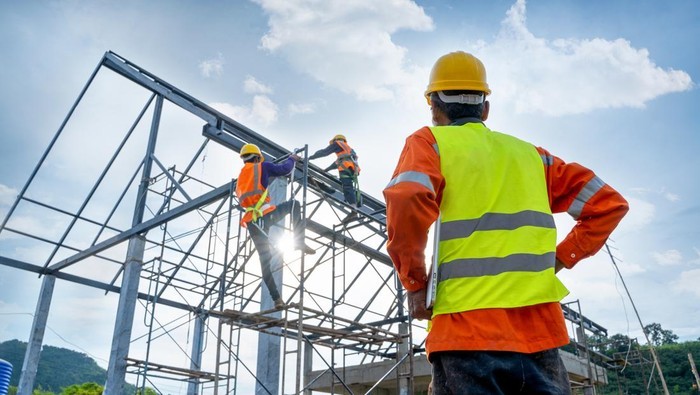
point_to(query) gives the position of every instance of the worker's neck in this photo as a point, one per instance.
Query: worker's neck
(462, 121)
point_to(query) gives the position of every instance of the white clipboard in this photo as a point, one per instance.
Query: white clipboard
(431, 293)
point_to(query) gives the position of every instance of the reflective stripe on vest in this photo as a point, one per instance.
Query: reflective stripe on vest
(251, 194)
(497, 236)
(344, 161)
(412, 176)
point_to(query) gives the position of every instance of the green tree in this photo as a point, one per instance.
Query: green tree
(83, 389)
(660, 336)
(147, 391)
(598, 343)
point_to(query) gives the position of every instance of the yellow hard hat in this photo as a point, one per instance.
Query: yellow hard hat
(249, 149)
(338, 137)
(457, 71)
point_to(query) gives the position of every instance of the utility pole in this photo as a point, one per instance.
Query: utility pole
(694, 369)
(646, 336)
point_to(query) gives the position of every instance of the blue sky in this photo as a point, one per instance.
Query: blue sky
(608, 84)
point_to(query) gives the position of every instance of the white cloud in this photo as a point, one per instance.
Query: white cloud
(251, 85)
(571, 76)
(262, 112)
(640, 190)
(346, 45)
(668, 258)
(641, 213)
(688, 282)
(672, 197)
(301, 108)
(695, 261)
(7, 195)
(212, 67)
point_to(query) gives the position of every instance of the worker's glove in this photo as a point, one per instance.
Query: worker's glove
(416, 305)
(296, 157)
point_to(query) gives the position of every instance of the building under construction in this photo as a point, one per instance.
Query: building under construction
(148, 215)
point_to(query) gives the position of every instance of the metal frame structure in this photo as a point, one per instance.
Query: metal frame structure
(169, 245)
(184, 250)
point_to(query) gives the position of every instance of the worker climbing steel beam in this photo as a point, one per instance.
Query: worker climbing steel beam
(260, 214)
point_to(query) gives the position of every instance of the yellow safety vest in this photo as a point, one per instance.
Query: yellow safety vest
(497, 236)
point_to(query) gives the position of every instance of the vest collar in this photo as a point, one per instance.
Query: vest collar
(462, 121)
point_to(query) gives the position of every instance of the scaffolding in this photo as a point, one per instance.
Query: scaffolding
(159, 229)
(168, 242)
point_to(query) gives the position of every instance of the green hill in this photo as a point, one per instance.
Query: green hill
(58, 367)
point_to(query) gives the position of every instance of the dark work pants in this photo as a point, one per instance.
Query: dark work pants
(346, 180)
(499, 372)
(262, 242)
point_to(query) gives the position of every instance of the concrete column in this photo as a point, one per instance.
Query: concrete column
(121, 338)
(36, 338)
(589, 389)
(196, 359)
(308, 365)
(269, 346)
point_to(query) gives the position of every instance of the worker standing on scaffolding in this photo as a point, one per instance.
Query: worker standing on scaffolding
(496, 320)
(260, 214)
(348, 169)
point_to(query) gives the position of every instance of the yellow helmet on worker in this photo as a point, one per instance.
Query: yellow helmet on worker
(251, 149)
(457, 71)
(338, 137)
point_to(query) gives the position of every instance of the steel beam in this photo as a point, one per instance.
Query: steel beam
(144, 227)
(36, 337)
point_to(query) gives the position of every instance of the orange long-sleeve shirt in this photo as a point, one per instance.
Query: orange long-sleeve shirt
(414, 205)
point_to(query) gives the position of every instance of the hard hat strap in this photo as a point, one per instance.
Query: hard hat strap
(472, 99)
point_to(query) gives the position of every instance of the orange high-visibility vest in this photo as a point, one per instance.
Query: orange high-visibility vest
(251, 193)
(345, 160)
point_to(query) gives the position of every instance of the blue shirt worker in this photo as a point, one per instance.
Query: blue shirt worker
(260, 214)
(346, 162)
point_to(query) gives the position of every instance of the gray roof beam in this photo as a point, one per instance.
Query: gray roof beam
(92, 283)
(236, 134)
(144, 227)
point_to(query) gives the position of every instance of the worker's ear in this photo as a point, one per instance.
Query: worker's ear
(485, 113)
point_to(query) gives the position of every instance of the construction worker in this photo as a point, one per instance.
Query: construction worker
(348, 168)
(496, 320)
(260, 214)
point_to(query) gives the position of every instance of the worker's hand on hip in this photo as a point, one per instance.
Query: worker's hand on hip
(416, 305)
(558, 265)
